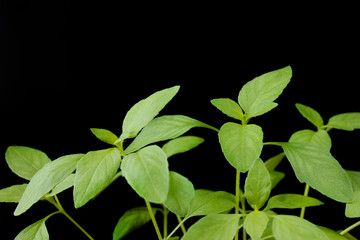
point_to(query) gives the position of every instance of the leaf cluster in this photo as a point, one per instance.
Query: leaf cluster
(140, 155)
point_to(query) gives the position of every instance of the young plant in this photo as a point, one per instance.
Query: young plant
(136, 157)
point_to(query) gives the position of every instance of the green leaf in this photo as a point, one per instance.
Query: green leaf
(345, 121)
(273, 162)
(257, 185)
(241, 145)
(181, 191)
(147, 172)
(104, 135)
(320, 138)
(36, 231)
(130, 221)
(291, 201)
(228, 107)
(354, 177)
(287, 227)
(255, 224)
(45, 179)
(181, 145)
(331, 234)
(164, 128)
(12, 194)
(311, 115)
(25, 161)
(258, 95)
(145, 110)
(208, 202)
(275, 178)
(62, 186)
(352, 209)
(94, 173)
(214, 227)
(318, 168)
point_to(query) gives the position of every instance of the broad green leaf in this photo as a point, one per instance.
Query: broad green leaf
(241, 145)
(130, 221)
(257, 185)
(287, 227)
(352, 209)
(25, 161)
(181, 145)
(94, 173)
(36, 231)
(331, 234)
(345, 121)
(214, 227)
(354, 177)
(318, 168)
(181, 191)
(291, 201)
(62, 186)
(164, 128)
(255, 224)
(46, 179)
(104, 135)
(147, 172)
(208, 202)
(258, 95)
(276, 177)
(228, 107)
(145, 110)
(320, 138)
(311, 115)
(273, 162)
(12, 194)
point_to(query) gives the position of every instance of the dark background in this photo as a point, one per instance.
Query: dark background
(69, 66)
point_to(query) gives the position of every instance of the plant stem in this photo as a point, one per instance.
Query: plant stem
(58, 205)
(183, 229)
(237, 199)
(350, 228)
(176, 228)
(165, 223)
(156, 226)
(306, 193)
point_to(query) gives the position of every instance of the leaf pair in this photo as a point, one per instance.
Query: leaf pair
(257, 96)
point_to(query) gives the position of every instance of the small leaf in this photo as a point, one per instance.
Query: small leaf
(104, 135)
(25, 161)
(352, 209)
(311, 115)
(164, 128)
(287, 227)
(12, 194)
(145, 110)
(181, 145)
(275, 178)
(320, 138)
(291, 201)
(354, 177)
(62, 186)
(318, 168)
(332, 235)
(256, 97)
(345, 121)
(130, 221)
(181, 191)
(273, 162)
(228, 107)
(255, 224)
(257, 185)
(94, 173)
(241, 145)
(45, 179)
(36, 231)
(147, 172)
(208, 202)
(214, 227)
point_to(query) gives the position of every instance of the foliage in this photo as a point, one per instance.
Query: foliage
(248, 212)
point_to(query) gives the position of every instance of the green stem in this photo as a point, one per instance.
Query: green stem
(156, 226)
(58, 205)
(176, 228)
(237, 199)
(183, 229)
(165, 222)
(306, 193)
(350, 228)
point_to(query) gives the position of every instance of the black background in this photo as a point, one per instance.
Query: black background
(69, 66)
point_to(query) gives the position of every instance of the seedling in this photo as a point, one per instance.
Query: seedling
(136, 157)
